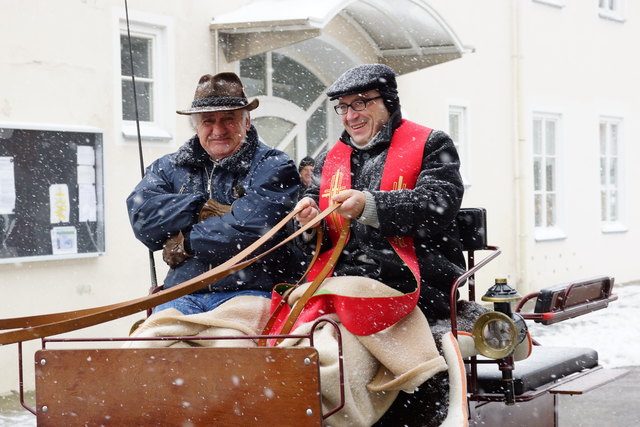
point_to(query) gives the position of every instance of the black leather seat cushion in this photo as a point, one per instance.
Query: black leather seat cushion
(546, 364)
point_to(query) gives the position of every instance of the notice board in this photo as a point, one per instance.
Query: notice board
(51, 193)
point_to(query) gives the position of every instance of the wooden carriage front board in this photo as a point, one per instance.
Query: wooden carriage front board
(178, 386)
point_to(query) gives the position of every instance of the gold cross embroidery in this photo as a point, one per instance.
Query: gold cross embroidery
(399, 185)
(335, 188)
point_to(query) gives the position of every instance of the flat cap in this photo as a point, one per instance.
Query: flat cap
(362, 78)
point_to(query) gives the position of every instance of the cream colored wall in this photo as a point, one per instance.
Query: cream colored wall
(568, 61)
(482, 81)
(584, 67)
(58, 67)
(601, 79)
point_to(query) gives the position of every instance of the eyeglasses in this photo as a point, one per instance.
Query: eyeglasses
(357, 105)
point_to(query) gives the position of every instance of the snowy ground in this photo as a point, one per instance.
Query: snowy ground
(613, 332)
(12, 414)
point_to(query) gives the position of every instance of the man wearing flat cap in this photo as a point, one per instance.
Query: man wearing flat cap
(216, 195)
(400, 189)
(404, 185)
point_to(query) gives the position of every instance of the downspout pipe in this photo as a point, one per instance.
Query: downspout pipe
(521, 160)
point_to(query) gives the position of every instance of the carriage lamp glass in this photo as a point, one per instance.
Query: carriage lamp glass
(497, 333)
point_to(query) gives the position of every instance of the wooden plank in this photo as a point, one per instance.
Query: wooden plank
(589, 381)
(178, 386)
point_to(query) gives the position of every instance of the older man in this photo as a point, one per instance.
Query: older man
(216, 195)
(400, 185)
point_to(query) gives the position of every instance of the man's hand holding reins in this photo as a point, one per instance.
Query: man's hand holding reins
(353, 202)
(309, 210)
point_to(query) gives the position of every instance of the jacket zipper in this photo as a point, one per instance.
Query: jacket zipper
(210, 179)
(210, 176)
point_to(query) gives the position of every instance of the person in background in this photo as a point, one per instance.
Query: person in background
(305, 168)
(218, 193)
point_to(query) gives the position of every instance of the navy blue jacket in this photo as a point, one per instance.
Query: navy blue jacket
(259, 182)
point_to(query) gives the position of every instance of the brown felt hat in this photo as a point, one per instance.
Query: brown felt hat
(222, 92)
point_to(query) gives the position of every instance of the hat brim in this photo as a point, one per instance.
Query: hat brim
(250, 106)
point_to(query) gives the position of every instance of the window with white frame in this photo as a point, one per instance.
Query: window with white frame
(141, 50)
(546, 170)
(610, 171)
(294, 114)
(458, 131)
(144, 59)
(611, 9)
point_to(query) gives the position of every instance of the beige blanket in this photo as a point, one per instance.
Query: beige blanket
(377, 366)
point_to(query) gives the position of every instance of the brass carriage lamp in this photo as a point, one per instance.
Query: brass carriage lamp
(497, 333)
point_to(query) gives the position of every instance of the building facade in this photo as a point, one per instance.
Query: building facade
(539, 95)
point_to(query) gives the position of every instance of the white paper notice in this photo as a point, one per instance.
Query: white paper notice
(86, 175)
(86, 155)
(87, 200)
(64, 240)
(59, 203)
(7, 186)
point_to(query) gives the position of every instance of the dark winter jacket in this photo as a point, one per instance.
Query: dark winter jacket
(259, 182)
(425, 213)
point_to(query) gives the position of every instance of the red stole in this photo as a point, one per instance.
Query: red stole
(360, 315)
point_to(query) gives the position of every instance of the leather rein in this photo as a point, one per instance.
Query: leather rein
(40, 326)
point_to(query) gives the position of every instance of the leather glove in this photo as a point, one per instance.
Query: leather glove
(173, 252)
(213, 208)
